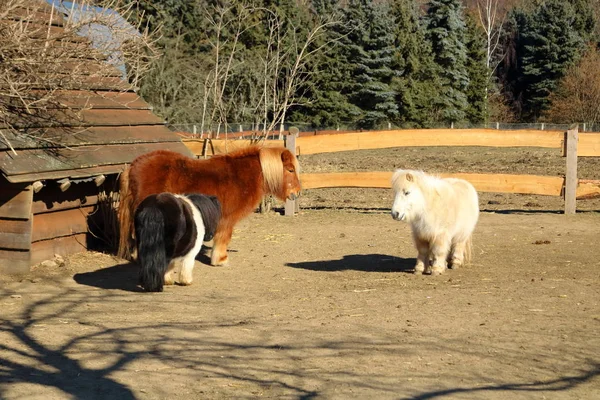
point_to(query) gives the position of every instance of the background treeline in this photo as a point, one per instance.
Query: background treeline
(371, 64)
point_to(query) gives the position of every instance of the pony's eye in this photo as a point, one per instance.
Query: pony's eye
(406, 192)
(291, 170)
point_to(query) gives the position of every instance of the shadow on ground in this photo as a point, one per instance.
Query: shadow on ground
(122, 276)
(49, 343)
(360, 262)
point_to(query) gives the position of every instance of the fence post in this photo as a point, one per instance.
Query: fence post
(570, 150)
(291, 206)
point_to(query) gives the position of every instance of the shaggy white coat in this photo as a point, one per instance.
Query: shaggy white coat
(442, 213)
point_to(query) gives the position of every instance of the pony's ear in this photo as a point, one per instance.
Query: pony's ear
(409, 177)
(286, 156)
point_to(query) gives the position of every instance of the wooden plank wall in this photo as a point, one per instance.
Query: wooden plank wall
(36, 226)
(15, 227)
(61, 220)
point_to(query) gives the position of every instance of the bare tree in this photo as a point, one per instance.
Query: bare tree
(577, 98)
(228, 20)
(280, 67)
(286, 67)
(488, 17)
(41, 57)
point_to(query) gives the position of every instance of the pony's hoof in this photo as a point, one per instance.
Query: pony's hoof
(437, 271)
(418, 271)
(223, 261)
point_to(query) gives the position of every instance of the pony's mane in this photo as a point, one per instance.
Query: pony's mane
(270, 162)
(248, 151)
(423, 180)
(272, 167)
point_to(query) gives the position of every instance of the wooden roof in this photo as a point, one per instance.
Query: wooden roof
(95, 128)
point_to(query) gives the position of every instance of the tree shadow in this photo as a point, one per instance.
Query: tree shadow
(34, 362)
(212, 351)
(27, 357)
(560, 384)
(360, 262)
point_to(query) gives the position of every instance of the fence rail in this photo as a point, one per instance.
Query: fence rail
(572, 143)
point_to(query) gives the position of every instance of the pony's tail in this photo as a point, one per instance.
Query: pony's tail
(468, 251)
(125, 217)
(151, 254)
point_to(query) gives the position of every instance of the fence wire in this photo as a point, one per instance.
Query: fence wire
(234, 130)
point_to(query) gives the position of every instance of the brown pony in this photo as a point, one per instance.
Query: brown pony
(239, 180)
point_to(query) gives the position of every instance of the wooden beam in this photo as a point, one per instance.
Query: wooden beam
(15, 234)
(62, 223)
(571, 138)
(78, 119)
(589, 145)
(496, 183)
(428, 137)
(96, 135)
(15, 201)
(588, 190)
(31, 165)
(46, 249)
(96, 99)
(346, 179)
(14, 262)
(47, 204)
(72, 173)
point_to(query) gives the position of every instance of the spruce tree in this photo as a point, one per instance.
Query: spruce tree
(446, 31)
(369, 47)
(416, 81)
(477, 95)
(329, 88)
(551, 40)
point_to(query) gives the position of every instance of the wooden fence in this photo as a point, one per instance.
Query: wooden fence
(572, 143)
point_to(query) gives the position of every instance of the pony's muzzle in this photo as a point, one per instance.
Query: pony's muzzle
(396, 215)
(293, 196)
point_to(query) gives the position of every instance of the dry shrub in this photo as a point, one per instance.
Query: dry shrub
(577, 98)
(39, 59)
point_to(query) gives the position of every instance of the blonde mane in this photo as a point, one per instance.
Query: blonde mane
(272, 168)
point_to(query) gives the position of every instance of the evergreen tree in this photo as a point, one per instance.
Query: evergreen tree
(176, 20)
(416, 81)
(551, 40)
(369, 47)
(477, 95)
(329, 106)
(446, 31)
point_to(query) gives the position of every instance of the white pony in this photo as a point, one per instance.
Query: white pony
(442, 213)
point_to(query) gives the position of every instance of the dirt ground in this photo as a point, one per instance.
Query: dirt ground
(324, 305)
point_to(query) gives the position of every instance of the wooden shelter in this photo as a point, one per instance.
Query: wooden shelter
(51, 194)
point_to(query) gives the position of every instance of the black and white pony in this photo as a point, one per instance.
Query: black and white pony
(169, 231)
